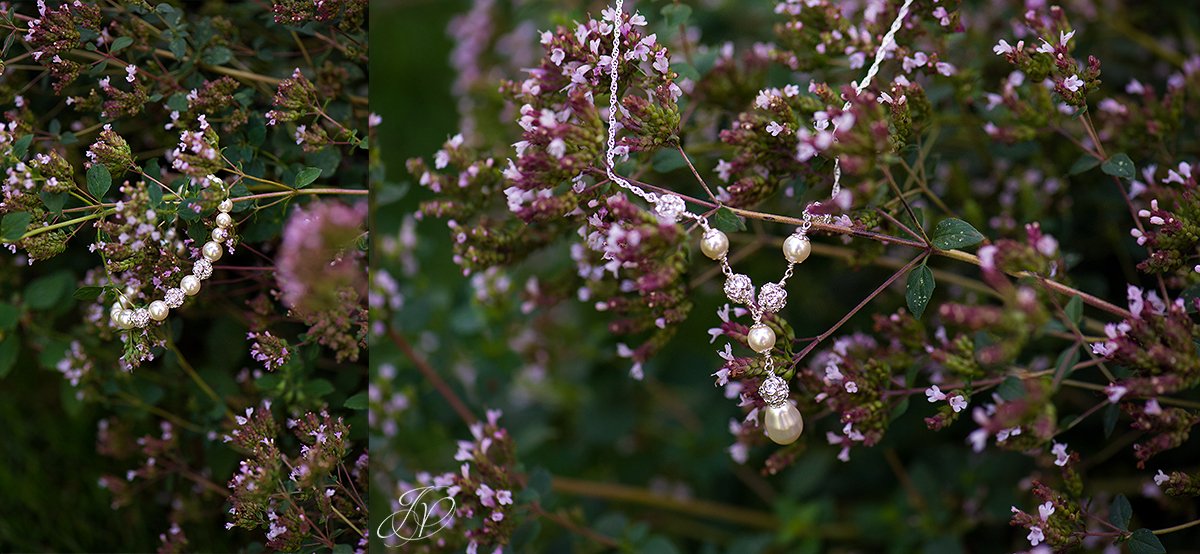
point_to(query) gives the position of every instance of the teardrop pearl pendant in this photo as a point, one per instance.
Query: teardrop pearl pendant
(783, 423)
(782, 420)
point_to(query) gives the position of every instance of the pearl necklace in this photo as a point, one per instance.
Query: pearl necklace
(782, 421)
(125, 315)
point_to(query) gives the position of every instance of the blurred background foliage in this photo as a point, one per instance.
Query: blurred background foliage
(51, 495)
(647, 462)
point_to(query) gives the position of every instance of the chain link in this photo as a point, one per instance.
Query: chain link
(889, 40)
(650, 197)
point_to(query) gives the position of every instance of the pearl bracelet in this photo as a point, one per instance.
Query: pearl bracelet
(124, 315)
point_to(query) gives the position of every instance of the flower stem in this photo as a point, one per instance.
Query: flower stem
(434, 378)
(187, 367)
(339, 514)
(1179, 527)
(695, 507)
(879, 290)
(67, 223)
(303, 192)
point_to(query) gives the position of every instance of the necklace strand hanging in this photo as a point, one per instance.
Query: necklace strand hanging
(782, 421)
(125, 315)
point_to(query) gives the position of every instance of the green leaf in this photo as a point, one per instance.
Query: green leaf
(156, 194)
(357, 402)
(21, 146)
(9, 348)
(1011, 388)
(178, 102)
(954, 233)
(119, 44)
(99, 180)
(919, 290)
(728, 221)
(53, 202)
(1143, 541)
(1083, 164)
(1111, 413)
(1119, 165)
(675, 15)
(686, 71)
(217, 55)
(88, 293)
(178, 47)
(45, 292)
(1074, 309)
(9, 315)
(168, 13)
(307, 176)
(667, 160)
(318, 388)
(1119, 512)
(539, 480)
(343, 549)
(13, 225)
(1067, 360)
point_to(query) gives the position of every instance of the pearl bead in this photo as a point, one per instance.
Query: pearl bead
(125, 320)
(224, 220)
(225, 206)
(190, 285)
(212, 251)
(714, 244)
(159, 310)
(796, 248)
(761, 338)
(784, 423)
(219, 234)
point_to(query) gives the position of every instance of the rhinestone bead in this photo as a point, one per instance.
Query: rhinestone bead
(772, 297)
(774, 390)
(140, 318)
(739, 288)
(669, 207)
(203, 269)
(174, 298)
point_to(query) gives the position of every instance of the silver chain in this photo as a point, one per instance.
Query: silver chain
(885, 45)
(612, 113)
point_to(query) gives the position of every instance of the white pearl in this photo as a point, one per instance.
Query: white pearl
(159, 310)
(224, 220)
(190, 285)
(714, 244)
(212, 251)
(761, 338)
(125, 320)
(783, 423)
(225, 206)
(219, 234)
(796, 248)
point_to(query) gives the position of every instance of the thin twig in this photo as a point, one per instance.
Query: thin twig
(697, 174)
(800, 356)
(434, 378)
